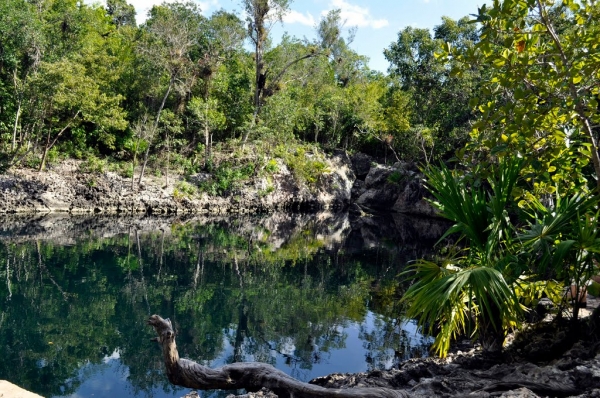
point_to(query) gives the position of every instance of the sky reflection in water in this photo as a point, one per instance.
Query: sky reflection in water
(73, 319)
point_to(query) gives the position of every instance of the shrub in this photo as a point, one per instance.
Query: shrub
(93, 164)
(184, 189)
(227, 177)
(306, 168)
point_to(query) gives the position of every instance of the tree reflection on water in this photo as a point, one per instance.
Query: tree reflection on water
(294, 291)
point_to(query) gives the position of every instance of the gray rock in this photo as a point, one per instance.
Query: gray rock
(63, 188)
(395, 189)
(361, 164)
(378, 175)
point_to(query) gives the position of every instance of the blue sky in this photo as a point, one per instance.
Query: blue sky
(378, 21)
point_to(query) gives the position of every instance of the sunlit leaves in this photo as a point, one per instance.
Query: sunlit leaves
(541, 58)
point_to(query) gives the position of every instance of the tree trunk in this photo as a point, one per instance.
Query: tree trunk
(50, 144)
(155, 127)
(14, 137)
(206, 135)
(43, 161)
(168, 160)
(246, 375)
(18, 115)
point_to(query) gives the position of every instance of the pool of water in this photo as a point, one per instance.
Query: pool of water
(305, 296)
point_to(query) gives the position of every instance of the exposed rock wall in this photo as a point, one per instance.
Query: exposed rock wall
(64, 189)
(359, 180)
(396, 188)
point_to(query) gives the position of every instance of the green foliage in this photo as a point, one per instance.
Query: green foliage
(307, 167)
(93, 164)
(471, 294)
(541, 100)
(503, 265)
(184, 189)
(395, 177)
(439, 99)
(87, 80)
(452, 296)
(226, 178)
(271, 166)
(562, 240)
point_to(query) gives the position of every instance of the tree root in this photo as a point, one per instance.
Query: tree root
(247, 375)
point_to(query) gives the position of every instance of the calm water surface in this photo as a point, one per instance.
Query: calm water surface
(311, 295)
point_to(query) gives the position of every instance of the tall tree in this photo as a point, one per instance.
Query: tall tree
(170, 39)
(440, 98)
(262, 16)
(21, 47)
(222, 40)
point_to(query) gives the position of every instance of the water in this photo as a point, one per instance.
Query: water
(311, 295)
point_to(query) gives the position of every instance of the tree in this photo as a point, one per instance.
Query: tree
(383, 114)
(542, 98)
(210, 118)
(170, 38)
(122, 13)
(221, 41)
(66, 97)
(262, 16)
(442, 113)
(536, 120)
(20, 53)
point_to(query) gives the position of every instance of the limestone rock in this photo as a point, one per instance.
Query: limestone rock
(9, 390)
(393, 189)
(361, 164)
(66, 188)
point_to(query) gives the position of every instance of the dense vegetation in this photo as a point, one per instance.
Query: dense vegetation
(523, 194)
(85, 81)
(509, 101)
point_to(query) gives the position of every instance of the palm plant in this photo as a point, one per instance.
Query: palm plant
(470, 293)
(564, 241)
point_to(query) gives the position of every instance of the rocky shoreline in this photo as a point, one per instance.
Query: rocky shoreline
(546, 360)
(356, 181)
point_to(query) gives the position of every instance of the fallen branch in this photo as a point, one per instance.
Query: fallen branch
(251, 376)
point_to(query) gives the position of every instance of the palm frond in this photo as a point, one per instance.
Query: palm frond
(451, 300)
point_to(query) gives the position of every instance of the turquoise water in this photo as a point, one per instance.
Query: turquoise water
(309, 300)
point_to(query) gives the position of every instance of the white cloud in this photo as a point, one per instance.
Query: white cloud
(143, 6)
(297, 17)
(355, 15)
(115, 355)
(208, 5)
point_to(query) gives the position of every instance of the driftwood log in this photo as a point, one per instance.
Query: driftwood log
(251, 376)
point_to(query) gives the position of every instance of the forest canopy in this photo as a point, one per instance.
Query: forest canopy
(86, 81)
